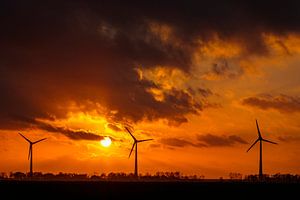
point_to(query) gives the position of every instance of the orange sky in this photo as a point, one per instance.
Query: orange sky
(201, 112)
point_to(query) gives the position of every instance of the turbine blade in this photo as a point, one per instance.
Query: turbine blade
(25, 138)
(132, 149)
(39, 140)
(269, 141)
(144, 140)
(29, 153)
(258, 131)
(130, 134)
(253, 144)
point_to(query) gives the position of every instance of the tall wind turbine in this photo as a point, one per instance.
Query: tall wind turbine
(135, 144)
(30, 151)
(260, 139)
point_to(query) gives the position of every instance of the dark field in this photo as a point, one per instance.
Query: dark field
(146, 190)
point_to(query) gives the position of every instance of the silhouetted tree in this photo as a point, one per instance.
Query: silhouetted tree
(17, 175)
(235, 175)
(49, 176)
(3, 175)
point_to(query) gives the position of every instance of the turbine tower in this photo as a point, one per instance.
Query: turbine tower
(135, 144)
(30, 151)
(261, 140)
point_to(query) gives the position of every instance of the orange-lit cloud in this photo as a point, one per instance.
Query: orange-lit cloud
(282, 103)
(213, 140)
(175, 142)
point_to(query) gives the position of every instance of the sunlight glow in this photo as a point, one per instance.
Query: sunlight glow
(106, 142)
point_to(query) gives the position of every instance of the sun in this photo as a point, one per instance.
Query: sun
(106, 142)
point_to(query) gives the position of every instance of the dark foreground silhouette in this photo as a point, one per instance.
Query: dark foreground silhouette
(41, 189)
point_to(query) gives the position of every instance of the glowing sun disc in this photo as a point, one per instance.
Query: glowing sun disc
(106, 142)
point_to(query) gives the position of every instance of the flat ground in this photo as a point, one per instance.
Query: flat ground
(145, 190)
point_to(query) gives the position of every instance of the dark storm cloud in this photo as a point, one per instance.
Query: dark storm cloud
(54, 52)
(282, 103)
(215, 140)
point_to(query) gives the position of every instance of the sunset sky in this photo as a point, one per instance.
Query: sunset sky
(192, 75)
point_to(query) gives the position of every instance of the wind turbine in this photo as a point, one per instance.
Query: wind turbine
(135, 144)
(261, 140)
(30, 150)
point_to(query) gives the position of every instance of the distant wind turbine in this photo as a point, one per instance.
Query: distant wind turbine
(260, 139)
(135, 144)
(30, 150)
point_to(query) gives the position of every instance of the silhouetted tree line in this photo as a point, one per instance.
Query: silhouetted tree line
(167, 176)
(103, 176)
(280, 178)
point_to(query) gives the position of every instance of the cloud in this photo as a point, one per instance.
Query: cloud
(70, 133)
(176, 142)
(288, 138)
(207, 141)
(282, 103)
(205, 92)
(57, 52)
(155, 145)
(114, 127)
(215, 140)
(222, 70)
